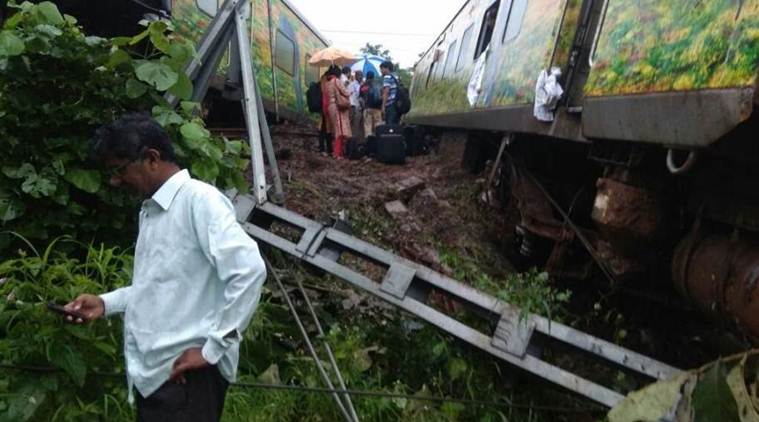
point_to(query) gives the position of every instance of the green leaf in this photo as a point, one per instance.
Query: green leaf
(159, 75)
(86, 180)
(234, 147)
(10, 44)
(362, 360)
(166, 117)
(13, 21)
(205, 170)
(71, 362)
(456, 368)
(183, 88)
(653, 403)
(22, 406)
(135, 88)
(157, 36)
(270, 375)
(193, 131)
(120, 41)
(736, 380)
(180, 52)
(118, 57)
(51, 14)
(49, 30)
(60, 170)
(212, 151)
(712, 399)
(189, 107)
(24, 171)
(93, 41)
(139, 37)
(10, 209)
(38, 186)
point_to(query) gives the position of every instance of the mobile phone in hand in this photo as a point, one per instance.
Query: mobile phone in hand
(65, 312)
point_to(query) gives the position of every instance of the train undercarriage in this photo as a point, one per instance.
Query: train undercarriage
(682, 223)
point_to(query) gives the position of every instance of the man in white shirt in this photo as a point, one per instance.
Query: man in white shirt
(196, 282)
(354, 87)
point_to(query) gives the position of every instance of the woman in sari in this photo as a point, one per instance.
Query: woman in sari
(338, 110)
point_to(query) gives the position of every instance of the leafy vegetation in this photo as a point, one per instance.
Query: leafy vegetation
(725, 390)
(54, 371)
(532, 291)
(56, 86)
(79, 386)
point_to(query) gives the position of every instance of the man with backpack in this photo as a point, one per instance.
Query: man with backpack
(395, 97)
(371, 97)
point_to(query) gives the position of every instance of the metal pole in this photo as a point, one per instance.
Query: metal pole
(505, 141)
(273, 57)
(307, 340)
(250, 106)
(279, 193)
(331, 356)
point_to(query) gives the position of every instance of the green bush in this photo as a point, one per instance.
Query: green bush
(35, 340)
(57, 85)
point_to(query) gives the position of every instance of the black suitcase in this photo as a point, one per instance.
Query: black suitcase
(391, 147)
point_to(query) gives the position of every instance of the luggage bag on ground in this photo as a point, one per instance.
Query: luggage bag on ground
(391, 147)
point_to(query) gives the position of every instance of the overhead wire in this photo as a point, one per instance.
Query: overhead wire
(505, 403)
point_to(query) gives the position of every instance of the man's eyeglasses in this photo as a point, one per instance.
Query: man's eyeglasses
(118, 171)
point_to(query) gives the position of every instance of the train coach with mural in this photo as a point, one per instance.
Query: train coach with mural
(650, 153)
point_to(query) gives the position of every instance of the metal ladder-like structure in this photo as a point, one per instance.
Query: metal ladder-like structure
(502, 330)
(409, 286)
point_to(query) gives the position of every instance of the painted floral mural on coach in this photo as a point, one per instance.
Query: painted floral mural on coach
(675, 45)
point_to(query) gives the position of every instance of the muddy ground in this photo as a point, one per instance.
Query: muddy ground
(445, 219)
(440, 208)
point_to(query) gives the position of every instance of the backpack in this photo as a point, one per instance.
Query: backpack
(374, 96)
(402, 98)
(314, 97)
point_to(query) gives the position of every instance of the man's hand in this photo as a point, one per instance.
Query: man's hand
(91, 306)
(189, 360)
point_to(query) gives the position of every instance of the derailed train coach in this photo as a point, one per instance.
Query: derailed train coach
(653, 147)
(282, 41)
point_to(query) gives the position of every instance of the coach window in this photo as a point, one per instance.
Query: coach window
(488, 26)
(312, 72)
(449, 58)
(516, 16)
(209, 7)
(429, 74)
(284, 55)
(465, 48)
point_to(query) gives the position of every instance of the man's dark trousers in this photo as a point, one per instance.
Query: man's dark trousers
(201, 399)
(392, 117)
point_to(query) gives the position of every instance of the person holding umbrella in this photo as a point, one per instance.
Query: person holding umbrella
(337, 99)
(335, 96)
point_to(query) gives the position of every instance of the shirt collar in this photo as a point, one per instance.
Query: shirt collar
(164, 196)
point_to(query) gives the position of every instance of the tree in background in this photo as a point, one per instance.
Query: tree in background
(378, 50)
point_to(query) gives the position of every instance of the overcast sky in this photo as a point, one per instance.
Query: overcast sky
(405, 27)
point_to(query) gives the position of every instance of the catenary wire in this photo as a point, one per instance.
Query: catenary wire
(506, 403)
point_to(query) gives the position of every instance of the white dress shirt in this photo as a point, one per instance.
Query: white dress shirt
(355, 89)
(196, 283)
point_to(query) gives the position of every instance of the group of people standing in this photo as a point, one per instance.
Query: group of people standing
(352, 107)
